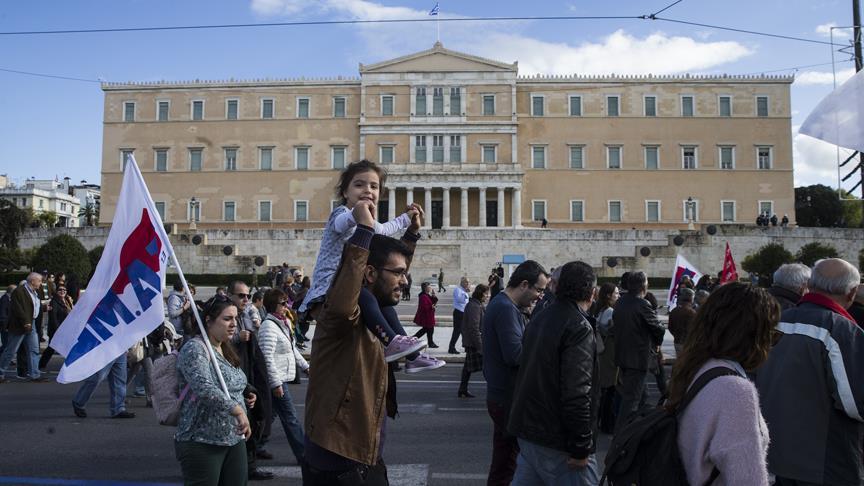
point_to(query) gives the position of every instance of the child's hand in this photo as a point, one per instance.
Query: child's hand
(416, 217)
(364, 213)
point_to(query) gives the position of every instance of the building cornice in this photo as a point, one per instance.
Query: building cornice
(653, 78)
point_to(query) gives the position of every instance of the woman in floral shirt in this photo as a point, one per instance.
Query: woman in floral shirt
(213, 428)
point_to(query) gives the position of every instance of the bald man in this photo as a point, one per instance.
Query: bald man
(24, 307)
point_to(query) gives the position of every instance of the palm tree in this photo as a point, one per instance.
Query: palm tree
(90, 212)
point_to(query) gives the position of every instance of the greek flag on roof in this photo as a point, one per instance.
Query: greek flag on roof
(434, 10)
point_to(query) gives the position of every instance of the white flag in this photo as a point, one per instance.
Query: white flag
(682, 268)
(123, 302)
(839, 118)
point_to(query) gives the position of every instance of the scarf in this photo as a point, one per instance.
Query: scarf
(827, 303)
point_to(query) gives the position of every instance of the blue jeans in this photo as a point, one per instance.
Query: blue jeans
(288, 416)
(31, 340)
(538, 465)
(116, 372)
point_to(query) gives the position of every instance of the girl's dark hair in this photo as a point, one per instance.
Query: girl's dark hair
(576, 282)
(272, 298)
(214, 308)
(424, 286)
(355, 168)
(604, 296)
(479, 290)
(306, 282)
(736, 322)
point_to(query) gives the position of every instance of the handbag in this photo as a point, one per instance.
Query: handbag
(135, 354)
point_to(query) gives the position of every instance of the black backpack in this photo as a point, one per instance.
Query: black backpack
(645, 451)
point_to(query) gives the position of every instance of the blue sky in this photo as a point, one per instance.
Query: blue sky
(53, 127)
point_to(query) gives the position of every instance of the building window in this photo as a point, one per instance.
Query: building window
(334, 203)
(231, 109)
(650, 106)
(62, 206)
(231, 158)
(612, 108)
(727, 158)
(762, 106)
(197, 110)
(456, 101)
(386, 156)
(162, 110)
(420, 102)
(264, 208)
(489, 155)
(652, 157)
(575, 106)
(766, 207)
(125, 156)
(339, 107)
(652, 211)
(41, 204)
(538, 210)
(129, 111)
(302, 107)
(577, 211)
(577, 157)
(488, 105)
(537, 102)
(727, 211)
(301, 158)
(228, 210)
(688, 157)
(687, 108)
(725, 106)
(267, 108)
(161, 160)
(160, 209)
(193, 211)
(763, 158)
(301, 210)
(438, 148)
(455, 149)
(438, 101)
(614, 211)
(195, 158)
(613, 157)
(265, 156)
(420, 149)
(338, 157)
(387, 105)
(538, 156)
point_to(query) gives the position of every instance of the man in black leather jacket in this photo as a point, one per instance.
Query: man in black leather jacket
(555, 402)
(637, 331)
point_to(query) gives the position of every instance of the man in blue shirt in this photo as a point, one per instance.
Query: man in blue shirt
(503, 325)
(460, 300)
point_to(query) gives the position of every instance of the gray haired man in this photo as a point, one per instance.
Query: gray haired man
(790, 283)
(24, 307)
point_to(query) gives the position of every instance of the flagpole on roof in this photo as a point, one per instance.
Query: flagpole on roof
(130, 162)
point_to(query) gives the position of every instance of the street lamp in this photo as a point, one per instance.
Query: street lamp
(193, 210)
(691, 205)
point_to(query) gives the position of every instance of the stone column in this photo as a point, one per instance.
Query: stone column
(501, 222)
(445, 223)
(427, 206)
(517, 208)
(463, 207)
(409, 196)
(482, 222)
(391, 203)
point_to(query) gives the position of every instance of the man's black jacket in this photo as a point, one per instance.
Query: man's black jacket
(556, 397)
(637, 330)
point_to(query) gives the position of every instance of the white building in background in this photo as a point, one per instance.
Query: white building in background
(45, 195)
(87, 194)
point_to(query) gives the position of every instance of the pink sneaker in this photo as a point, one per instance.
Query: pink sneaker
(423, 363)
(401, 346)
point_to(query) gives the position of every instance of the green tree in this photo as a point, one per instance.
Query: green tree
(47, 219)
(11, 259)
(95, 255)
(766, 261)
(13, 220)
(810, 253)
(90, 213)
(820, 206)
(852, 209)
(65, 254)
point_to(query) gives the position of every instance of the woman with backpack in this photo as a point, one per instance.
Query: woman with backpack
(212, 429)
(721, 434)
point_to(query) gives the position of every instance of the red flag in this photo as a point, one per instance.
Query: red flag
(730, 273)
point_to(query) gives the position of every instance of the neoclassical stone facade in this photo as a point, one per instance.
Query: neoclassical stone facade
(469, 138)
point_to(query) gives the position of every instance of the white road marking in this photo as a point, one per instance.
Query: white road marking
(460, 409)
(398, 474)
(459, 476)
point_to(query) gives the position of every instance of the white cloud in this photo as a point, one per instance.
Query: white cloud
(813, 78)
(354, 9)
(825, 30)
(815, 161)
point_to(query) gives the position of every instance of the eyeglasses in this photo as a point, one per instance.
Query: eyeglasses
(284, 302)
(398, 273)
(538, 290)
(243, 296)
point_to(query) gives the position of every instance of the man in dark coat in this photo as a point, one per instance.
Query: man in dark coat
(857, 308)
(790, 284)
(556, 397)
(637, 331)
(25, 307)
(5, 305)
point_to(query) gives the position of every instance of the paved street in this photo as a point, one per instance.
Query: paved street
(438, 438)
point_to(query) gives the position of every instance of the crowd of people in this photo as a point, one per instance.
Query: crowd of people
(564, 360)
